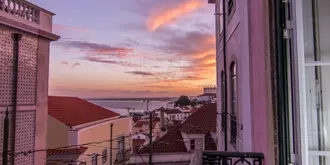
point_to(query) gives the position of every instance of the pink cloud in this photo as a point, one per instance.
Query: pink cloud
(59, 28)
(75, 64)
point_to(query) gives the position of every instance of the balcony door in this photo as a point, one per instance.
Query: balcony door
(313, 52)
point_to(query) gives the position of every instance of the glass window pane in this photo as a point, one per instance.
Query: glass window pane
(317, 78)
(233, 87)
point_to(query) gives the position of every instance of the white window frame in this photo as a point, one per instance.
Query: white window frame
(299, 39)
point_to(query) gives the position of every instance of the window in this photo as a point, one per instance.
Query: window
(192, 144)
(233, 93)
(223, 101)
(94, 159)
(121, 148)
(231, 5)
(104, 156)
(313, 82)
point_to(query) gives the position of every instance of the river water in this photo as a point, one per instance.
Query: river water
(122, 106)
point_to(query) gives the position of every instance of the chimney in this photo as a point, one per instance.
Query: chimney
(162, 126)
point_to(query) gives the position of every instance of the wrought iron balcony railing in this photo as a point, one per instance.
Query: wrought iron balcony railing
(233, 129)
(223, 120)
(232, 158)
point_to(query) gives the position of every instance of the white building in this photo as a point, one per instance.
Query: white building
(207, 97)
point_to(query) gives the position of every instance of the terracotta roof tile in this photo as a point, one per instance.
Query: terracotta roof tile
(170, 142)
(137, 143)
(172, 111)
(74, 111)
(67, 151)
(194, 110)
(202, 121)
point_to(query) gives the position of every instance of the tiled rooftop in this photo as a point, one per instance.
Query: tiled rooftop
(74, 111)
(201, 122)
(66, 151)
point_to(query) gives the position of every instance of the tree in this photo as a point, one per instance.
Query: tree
(183, 100)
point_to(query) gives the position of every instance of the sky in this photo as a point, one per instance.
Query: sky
(131, 48)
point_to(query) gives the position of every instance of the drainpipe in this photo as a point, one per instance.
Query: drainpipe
(224, 17)
(111, 129)
(17, 37)
(282, 86)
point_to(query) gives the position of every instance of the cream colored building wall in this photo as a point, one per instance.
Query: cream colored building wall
(101, 132)
(136, 129)
(58, 133)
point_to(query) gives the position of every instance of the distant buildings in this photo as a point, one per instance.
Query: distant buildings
(178, 113)
(73, 122)
(141, 129)
(185, 141)
(210, 89)
(25, 36)
(209, 95)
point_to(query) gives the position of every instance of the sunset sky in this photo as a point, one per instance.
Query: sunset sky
(131, 48)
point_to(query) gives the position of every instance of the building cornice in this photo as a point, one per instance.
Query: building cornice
(27, 28)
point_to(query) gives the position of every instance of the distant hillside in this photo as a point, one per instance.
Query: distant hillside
(136, 99)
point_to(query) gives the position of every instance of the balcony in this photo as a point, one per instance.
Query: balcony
(23, 15)
(232, 158)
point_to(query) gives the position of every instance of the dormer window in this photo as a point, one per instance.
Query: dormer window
(192, 144)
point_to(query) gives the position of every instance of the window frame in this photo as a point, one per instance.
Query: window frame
(233, 103)
(223, 100)
(94, 158)
(121, 143)
(231, 5)
(104, 156)
(192, 144)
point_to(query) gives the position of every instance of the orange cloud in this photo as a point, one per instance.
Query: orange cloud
(173, 13)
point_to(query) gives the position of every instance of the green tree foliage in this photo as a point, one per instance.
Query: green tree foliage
(183, 100)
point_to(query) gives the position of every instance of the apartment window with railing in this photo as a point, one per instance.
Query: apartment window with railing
(104, 156)
(223, 101)
(233, 113)
(231, 5)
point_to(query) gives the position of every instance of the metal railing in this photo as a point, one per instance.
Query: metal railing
(223, 120)
(232, 158)
(233, 129)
